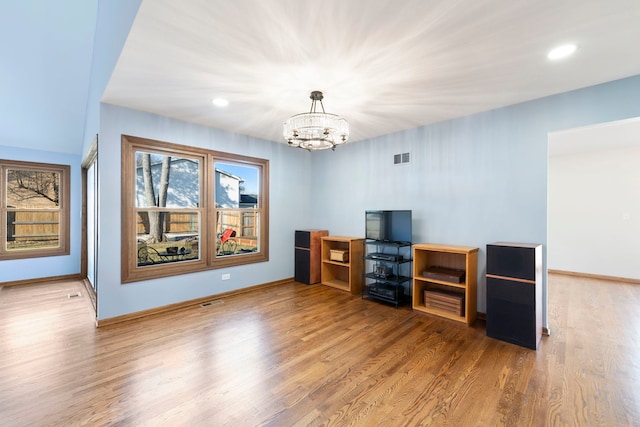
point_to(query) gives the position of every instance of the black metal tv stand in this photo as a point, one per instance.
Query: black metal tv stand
(387, 268)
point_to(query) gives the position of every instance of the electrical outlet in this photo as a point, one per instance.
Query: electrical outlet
(226, 276)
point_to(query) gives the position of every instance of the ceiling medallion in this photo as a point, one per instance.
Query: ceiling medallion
(316, 131)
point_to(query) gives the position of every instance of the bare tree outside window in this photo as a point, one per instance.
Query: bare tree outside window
(157, 220)
(188, 209)
(35, 206)
(33, 188)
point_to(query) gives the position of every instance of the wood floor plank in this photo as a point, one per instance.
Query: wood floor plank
(298, 355)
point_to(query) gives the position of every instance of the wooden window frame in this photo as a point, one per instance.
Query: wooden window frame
(263, 209)
(63, 210)
(130, 271)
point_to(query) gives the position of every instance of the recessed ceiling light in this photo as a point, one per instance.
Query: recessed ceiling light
(562, 51)
(220, 102)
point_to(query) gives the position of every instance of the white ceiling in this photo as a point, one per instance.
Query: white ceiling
(383, 65)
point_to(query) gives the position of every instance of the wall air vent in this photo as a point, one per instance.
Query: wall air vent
(401, 158)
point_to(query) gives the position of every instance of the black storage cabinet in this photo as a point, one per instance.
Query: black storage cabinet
(307, 255)
(514, 293)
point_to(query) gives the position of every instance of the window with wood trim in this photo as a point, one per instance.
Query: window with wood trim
(186, 209)
(34, 209)
(240, 209)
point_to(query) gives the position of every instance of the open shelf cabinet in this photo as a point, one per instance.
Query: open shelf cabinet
(345, 275)
(387, 268)
(451, 288)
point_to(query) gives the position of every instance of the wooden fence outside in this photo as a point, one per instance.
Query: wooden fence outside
(174, 223)
(33, 226)
(244, 222)
(45, 225)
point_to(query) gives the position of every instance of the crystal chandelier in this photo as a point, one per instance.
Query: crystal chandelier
(314, 130)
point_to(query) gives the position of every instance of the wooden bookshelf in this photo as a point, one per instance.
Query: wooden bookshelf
(456, 258)
(344, 275)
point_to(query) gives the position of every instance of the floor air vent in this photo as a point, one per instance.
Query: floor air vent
(212, 303)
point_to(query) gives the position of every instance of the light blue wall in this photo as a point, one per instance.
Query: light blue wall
(471, 181)
(114, 20)
(34, 268)
(289, 210)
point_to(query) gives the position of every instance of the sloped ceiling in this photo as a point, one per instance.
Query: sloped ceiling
(45, 68)
(383, 65)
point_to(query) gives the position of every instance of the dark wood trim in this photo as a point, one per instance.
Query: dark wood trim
(90, 160)
(64, 211)
(263, 209)
(130, 272)
(595, 276)
(42, 280)
(186, 304)
(83, 241)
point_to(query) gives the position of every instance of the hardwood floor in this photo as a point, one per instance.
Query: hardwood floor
(312, 355)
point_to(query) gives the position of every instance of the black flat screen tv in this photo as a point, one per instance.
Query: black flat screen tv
(388, 226)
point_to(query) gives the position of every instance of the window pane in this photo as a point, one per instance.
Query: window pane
(29, 229)
(237, 232)
(167, 181)
(237, 186)
(34, 209)
(28, 189)
(167, 237)
(161, 180)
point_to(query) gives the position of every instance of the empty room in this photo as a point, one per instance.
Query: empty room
(285, 213)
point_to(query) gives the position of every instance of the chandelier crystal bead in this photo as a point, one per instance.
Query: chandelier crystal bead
(314, 130)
